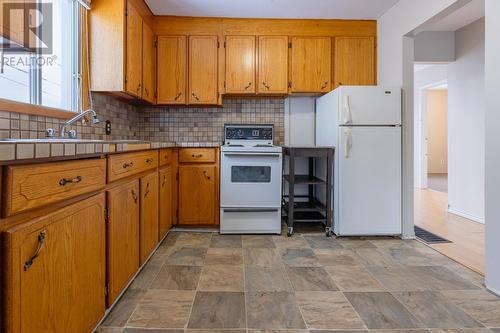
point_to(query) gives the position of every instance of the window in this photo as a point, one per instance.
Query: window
(42, 67)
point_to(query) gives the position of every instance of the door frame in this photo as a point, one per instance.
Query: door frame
(421, 134)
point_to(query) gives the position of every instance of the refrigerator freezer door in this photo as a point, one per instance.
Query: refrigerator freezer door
(369, 105)
(369, 188)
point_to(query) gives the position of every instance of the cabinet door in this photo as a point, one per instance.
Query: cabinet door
(55, 271)
(354, 61)
(149, 64)
(148, 230)
(197, 194)
(311, 69)
(273, 65)
(240, 64)
(203, 66)
(122, 236)
(166, 202)
(133, 79)
(172, 66)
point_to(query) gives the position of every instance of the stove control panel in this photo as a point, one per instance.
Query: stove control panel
(248, 132)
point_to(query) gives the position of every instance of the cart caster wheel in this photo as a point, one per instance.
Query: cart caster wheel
(328, 232)
(290, 232)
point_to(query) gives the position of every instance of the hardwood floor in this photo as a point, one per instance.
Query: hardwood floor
(467, 236)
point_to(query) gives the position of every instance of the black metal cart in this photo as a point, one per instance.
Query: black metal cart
(308, 208)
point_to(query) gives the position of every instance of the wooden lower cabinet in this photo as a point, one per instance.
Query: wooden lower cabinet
(122, 236)
(167, 186)
(63, 288)
(198, 194)
(148, 230)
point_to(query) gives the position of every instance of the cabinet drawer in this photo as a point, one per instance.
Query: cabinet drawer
(32, 186)
(197, 155)
(165, 156)
(125, 165)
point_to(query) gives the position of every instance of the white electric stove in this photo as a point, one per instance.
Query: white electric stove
(251, 168)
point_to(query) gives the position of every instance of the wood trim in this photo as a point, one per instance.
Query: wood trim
(38, 110)
(175, 25)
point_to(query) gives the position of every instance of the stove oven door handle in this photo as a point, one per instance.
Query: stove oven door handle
(252, 154)
(250, 210)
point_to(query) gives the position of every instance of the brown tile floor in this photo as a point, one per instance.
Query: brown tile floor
(204, 282)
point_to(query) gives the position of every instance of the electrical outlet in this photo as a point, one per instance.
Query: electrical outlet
(108, 127)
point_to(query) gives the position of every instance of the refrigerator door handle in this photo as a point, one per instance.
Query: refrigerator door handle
(347, 142)
(347, 111)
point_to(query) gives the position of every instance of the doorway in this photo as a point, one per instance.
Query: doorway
(441, 164)
(436, 129)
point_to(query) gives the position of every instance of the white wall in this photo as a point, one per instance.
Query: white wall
(400, 20)
(435, 46)
(300, 130)
(395, 67)
(492, 66)
(466, 101)
(424, 77)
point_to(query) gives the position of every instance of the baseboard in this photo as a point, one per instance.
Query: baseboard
(494, 291)
(467, 216)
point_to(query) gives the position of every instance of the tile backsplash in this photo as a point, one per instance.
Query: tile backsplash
(190, 125)
(124, 119)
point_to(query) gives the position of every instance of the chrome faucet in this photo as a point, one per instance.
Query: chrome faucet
(79, 116)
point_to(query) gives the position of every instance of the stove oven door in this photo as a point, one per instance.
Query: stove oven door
(250, 179)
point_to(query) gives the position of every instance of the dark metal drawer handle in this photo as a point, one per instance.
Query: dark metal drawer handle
(206, 175)
(75, 180)
(147, 190)
(266, 85)
(164, 181)
(41, 243)
(134, 196)
(149, 161)
(248, 86)
(127, 165)
(324, 85)
(197, 155)
(178, 96)
(195, 96)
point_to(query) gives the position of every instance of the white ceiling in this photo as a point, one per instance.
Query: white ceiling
(317, 9)
(463, 16)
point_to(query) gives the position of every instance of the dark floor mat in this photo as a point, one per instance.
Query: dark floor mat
(429, 237)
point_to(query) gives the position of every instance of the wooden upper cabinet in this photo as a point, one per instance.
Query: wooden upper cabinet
(311, 67)
(203, 70)
(54, 270)
(133, 78)
(148, 230)
(240, 64)
(273, 65)
(354, 61)
(149, 64)
(122, 236)
(172, 69)
(197, 194)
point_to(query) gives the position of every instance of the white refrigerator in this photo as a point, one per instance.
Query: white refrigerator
(364, 125)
